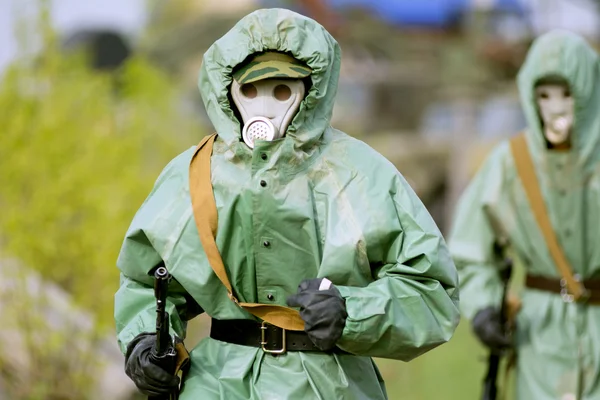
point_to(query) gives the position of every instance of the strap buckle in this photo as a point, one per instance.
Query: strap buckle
(263, 341)
(564, 292)
(233, 298)
(569, 298)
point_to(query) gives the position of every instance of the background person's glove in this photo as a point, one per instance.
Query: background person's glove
(145, 371)
(323, 311)
(487, 327)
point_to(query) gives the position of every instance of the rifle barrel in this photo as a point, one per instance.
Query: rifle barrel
(490, 389)
(161, 284)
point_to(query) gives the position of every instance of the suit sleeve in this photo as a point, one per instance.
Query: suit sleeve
(412, 304)
(475, 232)
(135, 304)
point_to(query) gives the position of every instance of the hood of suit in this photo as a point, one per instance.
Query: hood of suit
(273, 30)
(567, 55)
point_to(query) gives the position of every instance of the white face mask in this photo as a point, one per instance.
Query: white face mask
(267, 107)
(557, 109)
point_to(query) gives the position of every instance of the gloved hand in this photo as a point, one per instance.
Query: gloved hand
(323, 311)
(145, 371)
(487, 327)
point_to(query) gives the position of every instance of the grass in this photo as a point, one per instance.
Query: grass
(452, 371)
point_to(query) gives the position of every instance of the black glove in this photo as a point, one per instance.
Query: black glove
(323, 311)
(489, 330)
(145, 370)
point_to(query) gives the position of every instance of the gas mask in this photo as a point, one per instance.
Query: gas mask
(267, 107)
(557, 110)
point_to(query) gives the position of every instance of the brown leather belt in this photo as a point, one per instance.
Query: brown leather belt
(557, 286)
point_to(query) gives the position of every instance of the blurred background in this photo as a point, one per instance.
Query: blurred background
(97, 96)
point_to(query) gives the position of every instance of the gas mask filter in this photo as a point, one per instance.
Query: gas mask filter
(267, 107)
(557, 111)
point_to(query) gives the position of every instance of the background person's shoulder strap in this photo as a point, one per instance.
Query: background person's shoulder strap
(526, 171)
(205, 215)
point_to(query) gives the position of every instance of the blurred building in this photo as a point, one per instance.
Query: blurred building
(224, 7)
(102, 24)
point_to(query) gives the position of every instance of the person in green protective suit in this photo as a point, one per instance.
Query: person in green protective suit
(557, 339)
(310, 219)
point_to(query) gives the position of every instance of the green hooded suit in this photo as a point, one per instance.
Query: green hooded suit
(329, 206)
(558, 343)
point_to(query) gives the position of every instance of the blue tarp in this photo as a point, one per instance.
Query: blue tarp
(430, 13)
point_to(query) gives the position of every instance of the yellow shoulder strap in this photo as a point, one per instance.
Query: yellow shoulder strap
(526, 171)
(205, 215)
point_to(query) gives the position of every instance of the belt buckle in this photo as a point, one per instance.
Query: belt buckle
(263, 341)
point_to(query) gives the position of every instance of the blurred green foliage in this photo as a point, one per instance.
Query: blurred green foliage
(80, 150)
(454, 371)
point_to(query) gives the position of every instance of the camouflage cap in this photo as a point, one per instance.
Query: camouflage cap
(271, 65)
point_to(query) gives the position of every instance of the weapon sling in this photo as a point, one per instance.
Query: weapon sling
(205, 215)
(526, 171)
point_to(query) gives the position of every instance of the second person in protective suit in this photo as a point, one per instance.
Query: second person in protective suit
(537, 199)
(308, 250)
